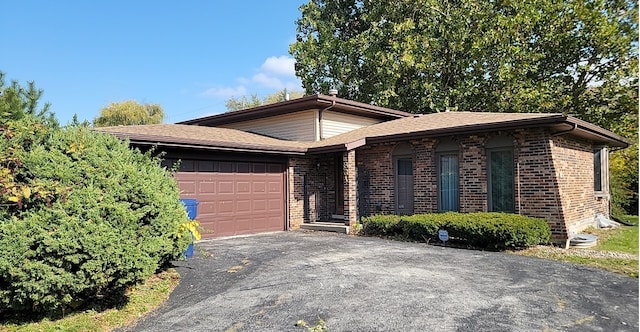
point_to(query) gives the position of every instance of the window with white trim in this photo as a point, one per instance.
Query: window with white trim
(600, 170)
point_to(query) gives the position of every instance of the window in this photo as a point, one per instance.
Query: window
(600, 169)
(405, 166)
(403, 178)
(448, 196)
(448, 176)
(597, 170)
(500, 174)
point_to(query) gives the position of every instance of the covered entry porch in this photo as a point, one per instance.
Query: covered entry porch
(332, 190)
(324, 188)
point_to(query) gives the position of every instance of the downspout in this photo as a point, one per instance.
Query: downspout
(333, 103)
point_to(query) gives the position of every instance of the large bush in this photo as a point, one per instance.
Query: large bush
(82, 216)
(481, 229)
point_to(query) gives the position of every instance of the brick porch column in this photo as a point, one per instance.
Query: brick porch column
(350, 187)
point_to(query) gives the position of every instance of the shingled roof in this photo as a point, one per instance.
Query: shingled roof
(429, 125)
(212, 138)
(317, 101)
(456, 123)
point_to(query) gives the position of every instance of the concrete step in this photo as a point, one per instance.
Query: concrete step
(326, 227)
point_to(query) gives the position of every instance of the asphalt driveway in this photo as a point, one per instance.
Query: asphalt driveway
(269, 282)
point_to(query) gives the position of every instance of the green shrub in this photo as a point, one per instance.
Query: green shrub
(481, 229)
(83, 216)
(381, 224)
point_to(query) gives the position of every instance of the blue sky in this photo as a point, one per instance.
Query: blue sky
(188, 56)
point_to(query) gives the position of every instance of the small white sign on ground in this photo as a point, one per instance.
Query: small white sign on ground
(443, 235)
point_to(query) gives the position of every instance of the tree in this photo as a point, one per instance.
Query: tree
(236, 104)
(422, 56)
(16, 102)
(426, 56)
(83, 217)
(128, 113)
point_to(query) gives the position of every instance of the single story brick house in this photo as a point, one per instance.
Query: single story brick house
(327, 159)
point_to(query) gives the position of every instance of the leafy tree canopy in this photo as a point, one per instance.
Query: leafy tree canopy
(17, 101)
(128, 113)
(236, 104)
(571, 56)
(426, 56)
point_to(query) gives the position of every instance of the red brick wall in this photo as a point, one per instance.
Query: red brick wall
(375, 163)
(553, 179)
(473, 174)
(350, 188)
(298, 168)
(425, 177)
(537, 192)
(573, 160)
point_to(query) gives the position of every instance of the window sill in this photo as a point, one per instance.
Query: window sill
(601, 195)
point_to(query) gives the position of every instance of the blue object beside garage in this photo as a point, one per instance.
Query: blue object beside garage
(191, 205)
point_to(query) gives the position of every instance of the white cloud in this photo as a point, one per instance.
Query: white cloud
(268, 81)
(282, 65)
(275, 73)
(226, 92)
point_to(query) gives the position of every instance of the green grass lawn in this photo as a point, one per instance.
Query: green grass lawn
(621, 241)
(142, 300)
(630, 219)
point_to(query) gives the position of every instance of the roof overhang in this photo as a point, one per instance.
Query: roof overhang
(312, 102)
(174, 142)
(559, 124)
(594, 133)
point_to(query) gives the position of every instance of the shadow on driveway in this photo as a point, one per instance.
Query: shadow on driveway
(268, 282)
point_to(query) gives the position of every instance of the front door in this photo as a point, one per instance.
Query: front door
(404, 185)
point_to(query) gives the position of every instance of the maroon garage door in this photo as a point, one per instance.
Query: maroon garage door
(235, 197)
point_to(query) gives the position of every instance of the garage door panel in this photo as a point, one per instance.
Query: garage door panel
(223, 226)
(274, 205)
(259, 205)
(226, 187)
(206, 208)
(273, 221)
(188, 187)
(207, 187)
(259, 187)
(243, 206)
(225, 207)
(243, 225)
(275, 187)
(235, 197)
(243, 187)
